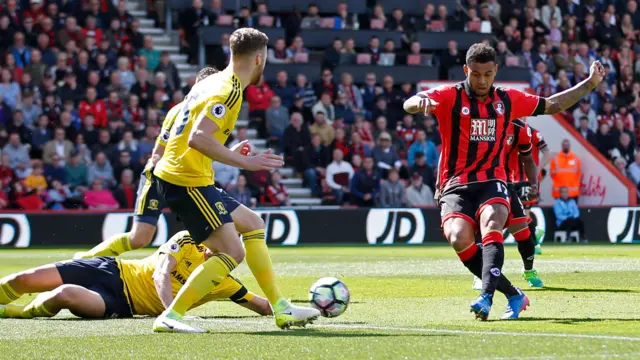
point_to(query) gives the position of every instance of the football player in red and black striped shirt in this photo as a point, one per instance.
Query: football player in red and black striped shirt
(474, 117)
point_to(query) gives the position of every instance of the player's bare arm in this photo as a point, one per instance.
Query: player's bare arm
(566, 99)
(202, 140)
(547, 155)
(531, 170)
(420, 103)
(162, 278)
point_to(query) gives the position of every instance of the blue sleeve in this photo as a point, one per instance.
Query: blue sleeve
(354, 186)
(367, 150)
(411, 155)
(560, 215)
(575, 211)
(433, 154)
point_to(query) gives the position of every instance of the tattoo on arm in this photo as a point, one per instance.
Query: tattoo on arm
(566, 99)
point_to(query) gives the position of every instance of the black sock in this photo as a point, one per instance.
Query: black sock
(532, 227)
(492, 261)
(527, 249)
(474, 264)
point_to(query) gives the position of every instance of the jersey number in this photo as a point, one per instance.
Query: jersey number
(185, 116)
(502, 188)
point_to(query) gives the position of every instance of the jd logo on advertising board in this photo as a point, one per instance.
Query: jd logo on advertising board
(395, 226)
(15, 230)
(281, 226)
(623, 225)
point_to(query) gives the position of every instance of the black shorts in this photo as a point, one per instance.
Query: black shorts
(102, 275)
(149, 203)
(522, 190)
(467, 201)
(201, 209)
(517, 214)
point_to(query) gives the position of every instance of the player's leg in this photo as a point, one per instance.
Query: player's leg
(147, 211)
(251, 226)
(42, 278)
(518, 227)
(209, 223)
(81, 301)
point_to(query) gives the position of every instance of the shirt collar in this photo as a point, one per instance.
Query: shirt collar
(471, 94)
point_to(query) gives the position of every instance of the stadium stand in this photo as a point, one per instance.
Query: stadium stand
(88, 84)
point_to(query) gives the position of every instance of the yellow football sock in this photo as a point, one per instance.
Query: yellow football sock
(12, 311)
(114, 246)
(202, 281)
(259, 261)
(37, 307)
(7, 293)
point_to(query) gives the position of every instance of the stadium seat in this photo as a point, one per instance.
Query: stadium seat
(227, 5)
(504, 74)
(438, 40)
(311, 70)
(211, 34)
(416, 7)
(321, 38)
(400, 73)
(326, 6)
(225, 20)
(363, 59)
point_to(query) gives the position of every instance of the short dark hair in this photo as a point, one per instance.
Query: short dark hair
(205, 72)
(247, 41)
(481, 53)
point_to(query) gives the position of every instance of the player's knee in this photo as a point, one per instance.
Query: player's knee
(459, 236)
(255, 222)
(494, 217)
(237, 253)
(22, 281)
(65, 295)
(141, 235)
(246, 220)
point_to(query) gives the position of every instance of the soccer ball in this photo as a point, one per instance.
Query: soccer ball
(330, 296)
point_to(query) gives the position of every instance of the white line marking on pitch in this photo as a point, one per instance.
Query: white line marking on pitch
(443, 331)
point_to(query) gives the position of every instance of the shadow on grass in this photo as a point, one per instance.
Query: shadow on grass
(346, 333)
(573, 321)
(299, 301)
(586, 290)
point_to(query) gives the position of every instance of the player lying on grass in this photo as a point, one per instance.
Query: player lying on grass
(109, 287)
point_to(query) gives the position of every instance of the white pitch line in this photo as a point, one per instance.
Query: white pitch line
(443, 331)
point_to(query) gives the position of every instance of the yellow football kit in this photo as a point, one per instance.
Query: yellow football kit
(137, 276)
(217, 98)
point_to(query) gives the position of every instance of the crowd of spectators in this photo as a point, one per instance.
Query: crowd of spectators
(83, 94)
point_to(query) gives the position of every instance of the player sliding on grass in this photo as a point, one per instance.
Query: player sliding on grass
(185, 180)
(474, 117)
(148, 204)
(108, 287)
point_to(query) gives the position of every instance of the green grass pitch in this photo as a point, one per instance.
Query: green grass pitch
(407, 303)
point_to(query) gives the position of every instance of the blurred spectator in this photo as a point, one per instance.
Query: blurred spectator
(343, 111)
(70, 32)
(316, 156)
(36, 69)
(394, 99)
(312, 19)
(9, 89)
(190, 20)
(277, 117)
(127, 79)
(355, 100)
(59, 145)
(276, 193)
(605, 140)
(71, 89)
(17, 152)
(17, 126)
(343, 20)
(55, 170)
(549, 12)
(58, 196)
(94, 107)
(305, 91)
(363, 129)
(36, 180)
(240, 136)
(332, 54)
(326, 85)
(451, 58)
(586, 132)
(297, 50)
(406, 132)
(365, 184)
(374, 49)
(130, 145)
(221, 54)
(226, 175)
(431, 130)
(370, 92)
(321, 127)
(565, 171)
(244, 17)
(101, 170)
(325, 106)
(340, 142)
(259, 99)
(633, 172)
(284, 90)
(6, 173)
(385, 155)
(99, 198)
(77, 173)
(279, 54)
(565, 208)
(21, 53)
(417, 193)
(357, 147)
(125, 162)
(25, 199)
(585, 110)
(338, 176)
(170, 70)
(392, 191)
(625, 149)
(424, 146)
(296, 137)
(30, 110)
(241, 192)
(621, 165)
(125, 193)
(143, 88)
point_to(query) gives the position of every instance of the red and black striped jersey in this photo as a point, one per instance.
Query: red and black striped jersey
(474, 132)
(518, 143)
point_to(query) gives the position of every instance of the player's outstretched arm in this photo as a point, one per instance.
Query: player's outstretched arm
(530, 169)
(566, 99)
(162, 278)
(419, 103)
(202, 140)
